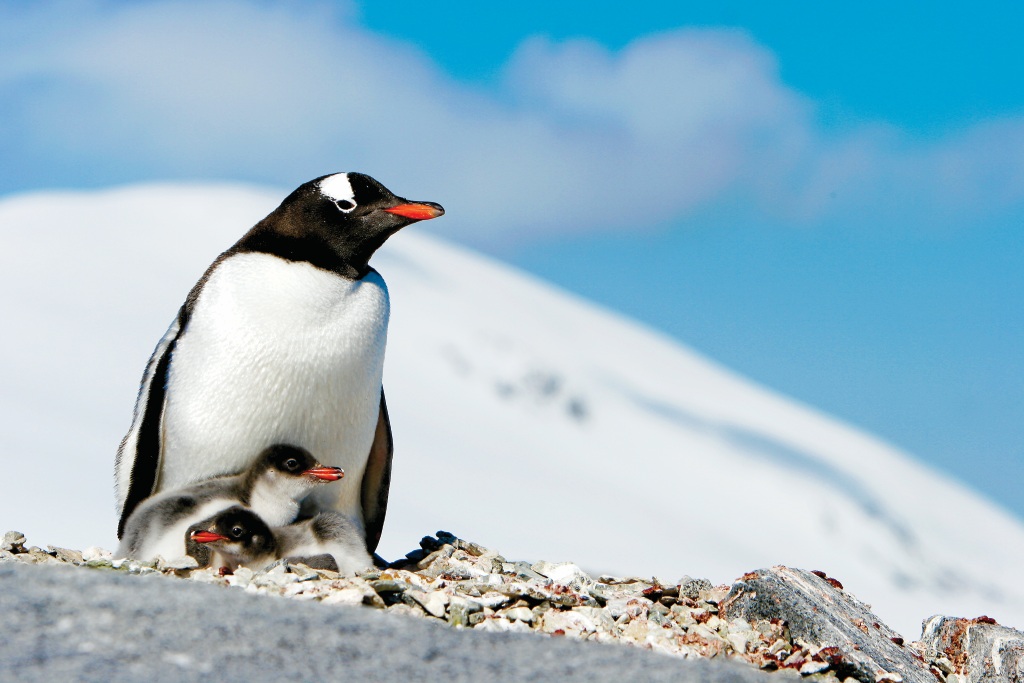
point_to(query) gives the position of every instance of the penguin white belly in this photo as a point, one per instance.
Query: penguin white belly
(169, 542)
(276, 351)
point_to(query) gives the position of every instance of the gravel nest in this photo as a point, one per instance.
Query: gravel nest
(468, 586)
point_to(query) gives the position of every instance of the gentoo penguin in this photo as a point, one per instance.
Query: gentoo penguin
(272, 486)
(327, 541)
(232, 538)
(281, 341)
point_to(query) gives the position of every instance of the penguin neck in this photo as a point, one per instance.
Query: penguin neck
(274, 506)
(347, 255)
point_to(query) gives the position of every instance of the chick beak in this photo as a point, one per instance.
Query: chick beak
(326, 473)
(207, 537)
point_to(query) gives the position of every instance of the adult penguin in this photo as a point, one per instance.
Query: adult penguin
(281, 341)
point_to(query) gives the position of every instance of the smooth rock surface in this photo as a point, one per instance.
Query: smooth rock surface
(63, 623)
(816, 610)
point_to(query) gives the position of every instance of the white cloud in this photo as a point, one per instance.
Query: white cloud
(574, 138)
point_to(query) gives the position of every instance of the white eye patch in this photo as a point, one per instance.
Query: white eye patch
(338, 189)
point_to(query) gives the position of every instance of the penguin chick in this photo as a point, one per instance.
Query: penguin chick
(272, 487)
(327, 541)
(232, 538)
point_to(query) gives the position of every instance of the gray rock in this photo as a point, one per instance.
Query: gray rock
(433, 603)
(389, 586)
(460, 609)
(95, 554)
(691, 588)
(818, 612)
(69, 624)
(13, 542)
(177, 563)
(66, 555)
(521, 570)
(977, 650)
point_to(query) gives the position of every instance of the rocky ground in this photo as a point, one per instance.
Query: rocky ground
(779, 619)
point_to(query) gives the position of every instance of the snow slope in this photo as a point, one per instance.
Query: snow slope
(524, 418)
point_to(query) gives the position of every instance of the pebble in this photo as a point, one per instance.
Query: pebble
(14, 542)
(177, 563)
(888, 677)
(520, 614)
(94, 553)
(433, 603)
(345, 596)
(691, 588)
(813, 667)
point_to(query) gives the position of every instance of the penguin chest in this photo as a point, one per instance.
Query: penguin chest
(275, 351)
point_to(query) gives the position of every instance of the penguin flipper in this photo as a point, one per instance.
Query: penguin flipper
(377, 478)
(138, 457)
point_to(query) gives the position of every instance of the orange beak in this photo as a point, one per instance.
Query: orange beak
(326, 473)
(207, 537)
(417, 211)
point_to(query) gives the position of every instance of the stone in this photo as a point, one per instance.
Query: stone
(813, 667)
(888, 677)
(941, 663)
(433, 602)
(499, 625)
(739, 642)
(177, 563)
(460, 608)
(974, 650)
(521, 570)
(519, 614)
(569, 622)
(402, 608)
(207, 575)
(633, 607)
(602, 621)
(564, 573)
(277, 577)
(493, 599)
(691, 588)
(241, 578)
(96, 553)
(66, 555)
(303, 572)
(345, 596)
(818, 613)
(389, 586)
(13, 542)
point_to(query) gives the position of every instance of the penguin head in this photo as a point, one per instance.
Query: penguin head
(236, 532)
(290, 471)
(350, 215)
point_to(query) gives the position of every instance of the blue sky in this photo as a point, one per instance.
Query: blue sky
(826, 197)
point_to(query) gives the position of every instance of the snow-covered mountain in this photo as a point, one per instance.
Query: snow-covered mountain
(524, 417)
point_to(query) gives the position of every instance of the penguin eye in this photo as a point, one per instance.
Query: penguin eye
(345, 205)
(237, 531)
(292, 464)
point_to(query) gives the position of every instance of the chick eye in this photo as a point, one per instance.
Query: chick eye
(237, 532)
(292, 464)
(345, 205)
